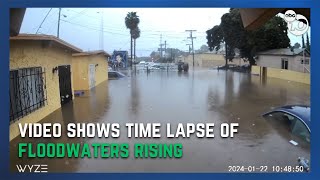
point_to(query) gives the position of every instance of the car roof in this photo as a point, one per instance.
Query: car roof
(116, 72)
(300, 111)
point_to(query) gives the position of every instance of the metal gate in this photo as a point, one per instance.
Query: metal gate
(65, 84)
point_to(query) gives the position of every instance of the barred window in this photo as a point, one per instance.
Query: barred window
(27, 91)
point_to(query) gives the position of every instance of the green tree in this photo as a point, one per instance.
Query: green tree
(308, 43)
(204, 48)
(297, 45)
(272, 35)
(132, 20)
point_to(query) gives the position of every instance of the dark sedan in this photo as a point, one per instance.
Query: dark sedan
(115, 75)
(293, 121)
(295, 117)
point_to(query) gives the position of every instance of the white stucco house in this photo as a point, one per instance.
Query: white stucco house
(285, 58)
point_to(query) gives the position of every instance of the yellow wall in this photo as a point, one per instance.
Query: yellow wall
(31, 54)
(211, 60)
(80, 66)
(255, 70)
(284, 74)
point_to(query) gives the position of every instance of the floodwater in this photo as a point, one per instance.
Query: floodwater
(202, 96)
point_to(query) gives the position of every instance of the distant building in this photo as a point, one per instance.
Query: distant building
(211, 59)
(285, 58)
(89, 69)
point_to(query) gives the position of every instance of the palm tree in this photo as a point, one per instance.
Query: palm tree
(135, 35)
(132, 21)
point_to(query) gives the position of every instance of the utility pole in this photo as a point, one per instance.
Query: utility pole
(101, 32)
(191, 37)
(189, 47)
(165, 49)
(161, 46)
(226, 50)
(58, 31)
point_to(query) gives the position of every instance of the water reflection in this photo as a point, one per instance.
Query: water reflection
(199, 96)
(88, 108)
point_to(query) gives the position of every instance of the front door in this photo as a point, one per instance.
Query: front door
(65, 84)
(92, 71)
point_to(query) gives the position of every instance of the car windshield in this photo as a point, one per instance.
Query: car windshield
(286, 122)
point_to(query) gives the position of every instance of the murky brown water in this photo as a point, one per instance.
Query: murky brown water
(170, 97)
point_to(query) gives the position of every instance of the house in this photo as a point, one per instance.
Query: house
(285, 58)
(212, 59)
(89, 69)
(40, 77)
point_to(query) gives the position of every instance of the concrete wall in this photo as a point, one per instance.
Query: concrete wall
(283, 74)
(25, 54)
(80, 67)
(211, 60)
(294, 62)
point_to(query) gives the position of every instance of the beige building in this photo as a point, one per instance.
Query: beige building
(40, 77)
(209, 60)
(89, 69)
(294, 60)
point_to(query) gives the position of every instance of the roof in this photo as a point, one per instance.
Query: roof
(253, 18)
(43, 37)
(16, 18)
(284, 52)
(300, 111)
(89, 53)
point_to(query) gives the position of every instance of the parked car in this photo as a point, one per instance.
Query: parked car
(293, 123)
(115, 75)
(142, 62)
(183, 66)
(295, 117)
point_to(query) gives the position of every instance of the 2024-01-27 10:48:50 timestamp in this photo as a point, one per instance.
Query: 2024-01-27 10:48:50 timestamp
(266, 169)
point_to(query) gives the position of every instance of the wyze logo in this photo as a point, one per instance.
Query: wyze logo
(297, 23)
(36, 168)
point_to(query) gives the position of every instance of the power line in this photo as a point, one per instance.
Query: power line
(43, 21)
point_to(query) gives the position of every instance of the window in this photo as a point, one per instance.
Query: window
(281, 120)
(112, 75)
(300, 130)
(284, 63)
(305, 62)
(27, 91)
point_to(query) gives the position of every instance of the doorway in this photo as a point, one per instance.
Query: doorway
(65, 84)
(92, 73)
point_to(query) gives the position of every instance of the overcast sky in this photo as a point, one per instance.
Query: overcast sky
(82, 26)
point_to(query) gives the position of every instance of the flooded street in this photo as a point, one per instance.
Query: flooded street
(203, 96)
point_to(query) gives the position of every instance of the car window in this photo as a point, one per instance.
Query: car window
(300, 130)
(282, 120)
(113, 75)
(291, 123)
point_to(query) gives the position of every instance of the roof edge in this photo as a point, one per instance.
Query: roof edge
(44, 37)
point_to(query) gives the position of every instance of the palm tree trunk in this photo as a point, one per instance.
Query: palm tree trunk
(131, 52)
(134, 49)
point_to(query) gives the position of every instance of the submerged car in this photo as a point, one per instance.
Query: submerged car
(115, 75)
(296, 118)
(293, 123)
